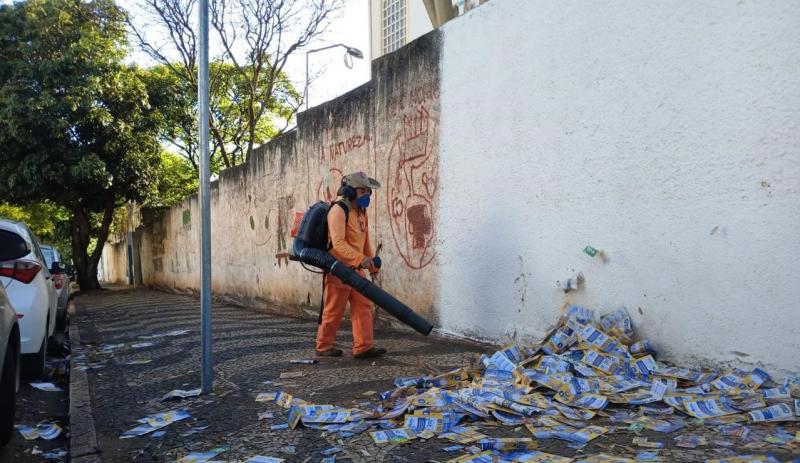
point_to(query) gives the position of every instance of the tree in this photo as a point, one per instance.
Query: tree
(49, 222)
(75, 123)
(176, 100)
(248, 84)
(176, 181)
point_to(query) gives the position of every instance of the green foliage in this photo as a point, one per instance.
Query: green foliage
(175, 99)
(176, 181)
(41, 218)
(49, 222)
(75, 122)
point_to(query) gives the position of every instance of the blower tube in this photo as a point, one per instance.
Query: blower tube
(350, 277)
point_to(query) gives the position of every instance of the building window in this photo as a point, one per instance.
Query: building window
(394, 25)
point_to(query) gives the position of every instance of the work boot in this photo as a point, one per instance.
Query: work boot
(332, 352)
(372, 352)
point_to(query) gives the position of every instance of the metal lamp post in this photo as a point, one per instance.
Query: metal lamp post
(351, 51)
(207, 373)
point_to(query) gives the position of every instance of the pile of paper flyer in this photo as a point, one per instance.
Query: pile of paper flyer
(588, 380)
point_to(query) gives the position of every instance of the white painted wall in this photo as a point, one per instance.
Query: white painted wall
(667, 134)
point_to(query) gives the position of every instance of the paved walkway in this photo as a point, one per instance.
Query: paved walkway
(250, 347)
(128, 376)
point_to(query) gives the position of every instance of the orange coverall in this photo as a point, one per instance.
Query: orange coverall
(350, 246)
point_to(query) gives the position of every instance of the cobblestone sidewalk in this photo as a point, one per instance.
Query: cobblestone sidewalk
(250, 347)
(130, 370)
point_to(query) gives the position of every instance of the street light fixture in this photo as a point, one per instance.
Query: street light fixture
(350, 52)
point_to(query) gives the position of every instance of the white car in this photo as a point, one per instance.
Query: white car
(60, 281)
(29, 285)
(9, 365)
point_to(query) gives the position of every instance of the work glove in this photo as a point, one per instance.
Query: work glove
(367, 263)
(376, 265)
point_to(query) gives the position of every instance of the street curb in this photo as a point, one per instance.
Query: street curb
(82, 440)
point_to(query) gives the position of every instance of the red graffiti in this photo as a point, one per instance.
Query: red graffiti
(412, 189)
(420, 225)
(334, 151)
(282, 256)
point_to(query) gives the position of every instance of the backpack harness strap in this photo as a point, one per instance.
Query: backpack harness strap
(324, 275)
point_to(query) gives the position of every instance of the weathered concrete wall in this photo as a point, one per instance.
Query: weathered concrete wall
(667, 134)
(113, 267)
(387, 128)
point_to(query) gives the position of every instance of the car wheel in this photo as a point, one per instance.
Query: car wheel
(8, 394)
(33, 364)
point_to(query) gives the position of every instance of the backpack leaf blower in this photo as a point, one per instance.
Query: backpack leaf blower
(310, 247)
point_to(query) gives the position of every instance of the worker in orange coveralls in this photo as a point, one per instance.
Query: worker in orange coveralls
(349, 241)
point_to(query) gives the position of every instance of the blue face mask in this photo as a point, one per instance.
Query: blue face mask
(363, 201)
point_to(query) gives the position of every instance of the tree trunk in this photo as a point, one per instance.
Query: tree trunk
(85, 263)
(81, 237)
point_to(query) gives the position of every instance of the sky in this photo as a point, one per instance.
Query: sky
(330, 76)
(333, 78)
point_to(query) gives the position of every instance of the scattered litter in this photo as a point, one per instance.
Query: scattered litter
(49, 431)
(110, 348)
(27, 432)
(603, 458)
(263, 459)
(181, 394)
(266, 396)
(643, 442)
(176, 333)
(90, 366)
(161, 335)
(778, 412)
(55, 369)
(573, 283)
(779, 437)
(292, 374)
(49, 387)
(158, 434)
(46, 431)
(138, 362)
(154, 422)
(265, 415)
(393, 436)
(690, 441)
(194, 430)
(55, 454)
(304, 361)
(596, 253)
(197, 457)
(584, 373)
(142, 345)
(746, 459)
